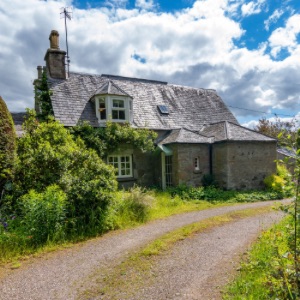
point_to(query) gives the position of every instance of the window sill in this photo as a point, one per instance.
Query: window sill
(197, 172)
(123, 179)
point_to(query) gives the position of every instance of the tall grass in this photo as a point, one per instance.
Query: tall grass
(269, 271)
(126, 209)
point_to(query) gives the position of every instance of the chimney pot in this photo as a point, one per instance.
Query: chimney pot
(40, 72)
(54, 39)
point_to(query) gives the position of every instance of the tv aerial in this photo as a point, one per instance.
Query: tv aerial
(66, 13)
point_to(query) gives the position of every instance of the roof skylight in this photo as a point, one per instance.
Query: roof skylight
(163, 109)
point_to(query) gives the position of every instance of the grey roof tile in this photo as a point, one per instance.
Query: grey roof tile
(233, 132)
(109, 88)
(188, 107)
(185, 136)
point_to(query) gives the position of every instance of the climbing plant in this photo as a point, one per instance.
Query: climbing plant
(43, 98)
(107, 139)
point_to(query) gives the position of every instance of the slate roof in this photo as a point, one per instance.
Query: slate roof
(109, 88)
(227, 131)
(287, 152)
(188, 107)
(183, 135)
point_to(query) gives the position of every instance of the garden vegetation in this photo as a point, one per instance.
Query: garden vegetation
(7, 145)
(61, 190)
(272, 269)
(57, 188)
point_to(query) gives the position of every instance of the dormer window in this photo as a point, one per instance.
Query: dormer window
(112, 104)
(113, 108)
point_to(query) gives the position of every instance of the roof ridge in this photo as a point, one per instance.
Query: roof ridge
(252, 130)
(117, 77)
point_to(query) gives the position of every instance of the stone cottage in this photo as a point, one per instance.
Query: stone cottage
(197, 133)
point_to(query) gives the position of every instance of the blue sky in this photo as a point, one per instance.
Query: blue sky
(247, 50)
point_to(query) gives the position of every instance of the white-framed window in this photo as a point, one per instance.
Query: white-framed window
(122, 165)
(196, 164)
(102, 109)
(118, 111)
(113, 108)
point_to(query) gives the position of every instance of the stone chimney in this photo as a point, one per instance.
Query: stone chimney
(55, 58)
(40, 72)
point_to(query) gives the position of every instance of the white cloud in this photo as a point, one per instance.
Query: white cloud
(192, 47)
(273, 18)
(285, 37)
(115, 3)
(253, 123)
(253, 7)
(266, 97)
(250, 124)
(145, 4)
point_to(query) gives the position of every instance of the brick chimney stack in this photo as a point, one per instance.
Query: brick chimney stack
(55, 58)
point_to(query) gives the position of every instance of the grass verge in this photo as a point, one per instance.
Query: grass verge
(131, 274)
(268, 273)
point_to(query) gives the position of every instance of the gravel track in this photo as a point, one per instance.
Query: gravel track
(198, 267)
(61, 275)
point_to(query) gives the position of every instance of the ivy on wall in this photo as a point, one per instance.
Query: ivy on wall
(108, 139)
(43, 98)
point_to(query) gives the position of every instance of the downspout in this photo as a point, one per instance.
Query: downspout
(210, 160)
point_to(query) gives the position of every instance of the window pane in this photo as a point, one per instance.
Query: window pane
(122, 115)
(115, 114)
(102, 109)
(118, 103)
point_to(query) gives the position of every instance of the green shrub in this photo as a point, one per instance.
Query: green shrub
(89, 184)
(44, 215)
(208, 180)
(47, 155)
(281, 182)
(214, 194)
(7, 145)
(275, 183)
(130, 207)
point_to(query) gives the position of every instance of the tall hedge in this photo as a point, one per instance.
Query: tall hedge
(7, 145)
(48, 155)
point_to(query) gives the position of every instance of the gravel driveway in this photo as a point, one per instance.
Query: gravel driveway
(60, 275)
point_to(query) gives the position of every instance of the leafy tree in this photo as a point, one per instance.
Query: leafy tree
(7, 145)
(43, 98)
(107, 139)
(284, 131)
(48, 155)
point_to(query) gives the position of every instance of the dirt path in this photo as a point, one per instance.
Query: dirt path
(60, 275)
(199, 267)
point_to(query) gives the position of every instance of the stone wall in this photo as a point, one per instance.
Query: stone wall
(184, 163)
(243, 165)
(145, 165)
(144, 168)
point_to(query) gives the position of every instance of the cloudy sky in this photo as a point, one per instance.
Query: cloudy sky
(249, 51)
